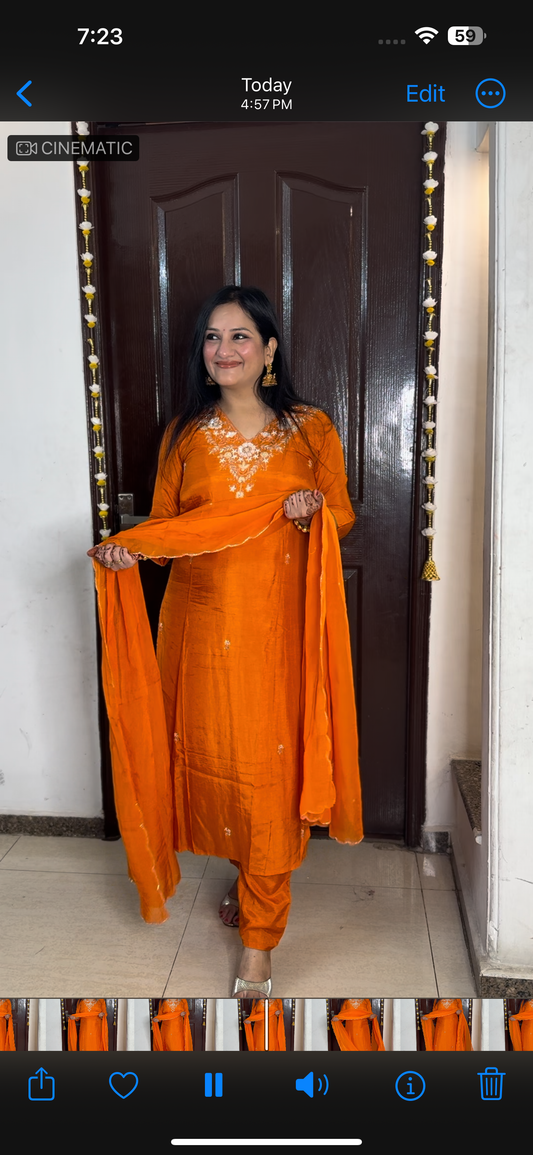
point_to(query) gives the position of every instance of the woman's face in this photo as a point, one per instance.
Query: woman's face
(234, 353)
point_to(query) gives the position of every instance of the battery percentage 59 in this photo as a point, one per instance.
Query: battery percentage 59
(463, 35)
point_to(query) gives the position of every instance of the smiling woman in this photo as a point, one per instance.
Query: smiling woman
(254, 687)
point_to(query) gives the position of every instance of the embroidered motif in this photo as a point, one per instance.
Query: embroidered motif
(287, 558)
(227, 644)
(240, 458)
(227, 831)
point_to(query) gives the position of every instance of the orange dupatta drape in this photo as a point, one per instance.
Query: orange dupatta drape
(7, 1034)
(254, 1026)
(445, 1027)
(361, 1032)
(93, 1034)
(175, 1032)
(521, 1027)
(143, 786)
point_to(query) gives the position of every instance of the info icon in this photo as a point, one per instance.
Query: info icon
(410, 1085)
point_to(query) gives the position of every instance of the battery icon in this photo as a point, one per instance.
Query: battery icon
(463, 35)
(491, 1083)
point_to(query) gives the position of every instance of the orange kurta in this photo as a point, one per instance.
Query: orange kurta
(92, 1017)
(174, 1034)
(254, 1026)
(276, 1026)
(521, 1027)
(445, 1027)
(245, 732)
(356, 1027)
(7, 1034)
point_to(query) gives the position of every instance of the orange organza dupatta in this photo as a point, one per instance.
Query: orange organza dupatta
(95, 1036)
(138, 735)
(254, 1026)
(175, 1033)
(361, 1032)
(522, 1036)
(445, 1027)
(7, 1034)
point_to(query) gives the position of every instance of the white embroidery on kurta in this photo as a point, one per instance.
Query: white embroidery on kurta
(280, 749)
(227, 831)
(227, 644)
(287, 558)
(243, 459)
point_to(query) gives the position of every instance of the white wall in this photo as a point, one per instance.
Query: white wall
(49, 759)
(454, 710)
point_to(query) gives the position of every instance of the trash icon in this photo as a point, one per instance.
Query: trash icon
(491, 1083)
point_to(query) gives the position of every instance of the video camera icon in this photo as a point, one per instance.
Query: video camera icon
(308, 1085)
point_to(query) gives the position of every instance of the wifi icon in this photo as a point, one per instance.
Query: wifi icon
(308, 1085)
(427, 34)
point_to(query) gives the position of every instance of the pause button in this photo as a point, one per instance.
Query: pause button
(208, 1085)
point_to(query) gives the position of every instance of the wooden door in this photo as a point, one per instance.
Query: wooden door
(326, 219)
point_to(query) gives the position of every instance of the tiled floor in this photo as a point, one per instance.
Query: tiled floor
(375, 920)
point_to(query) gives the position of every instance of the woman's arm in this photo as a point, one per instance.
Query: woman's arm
(166, 499)
(330, 475)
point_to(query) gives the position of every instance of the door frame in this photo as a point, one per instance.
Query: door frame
(419, 591)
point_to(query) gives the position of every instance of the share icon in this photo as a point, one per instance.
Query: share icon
(308, 1085)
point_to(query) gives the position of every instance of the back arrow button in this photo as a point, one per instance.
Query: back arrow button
(23, 89)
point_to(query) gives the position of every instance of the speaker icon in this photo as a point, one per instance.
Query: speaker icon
(308, 1085)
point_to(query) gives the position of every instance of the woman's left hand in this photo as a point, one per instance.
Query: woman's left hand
(303, 504)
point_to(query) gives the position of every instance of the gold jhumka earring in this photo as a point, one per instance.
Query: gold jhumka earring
(209, 380)
(269, 378)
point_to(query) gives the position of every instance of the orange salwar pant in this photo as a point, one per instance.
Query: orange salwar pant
(264, 904)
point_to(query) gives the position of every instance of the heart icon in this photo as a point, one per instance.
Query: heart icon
(121, 1075)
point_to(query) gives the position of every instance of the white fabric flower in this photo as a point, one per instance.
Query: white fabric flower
(429, 507)
(429, 303)
(95, 389)
(430, 157)
(90, 318)
(86, 227)
(429, 255)
(430, 126)
(100, 476)
(429, 531)
(86, 257)
(431, 184)
(83, 192)
(430, 371)
(429, 480)
(430, 335)
(96, 420)
(431, 220)
(98, 450)
(103, 506)
(429, 425)
(93, 361)
(429, 454)
(105, 532)
(89, 290)
(430, 400)
(82, 128)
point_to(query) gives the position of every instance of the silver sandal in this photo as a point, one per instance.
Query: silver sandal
(241, 985)
(228, 901)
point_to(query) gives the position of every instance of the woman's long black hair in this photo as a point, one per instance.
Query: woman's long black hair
(200, 397)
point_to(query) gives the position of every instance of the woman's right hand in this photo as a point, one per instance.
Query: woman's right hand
(114, 556)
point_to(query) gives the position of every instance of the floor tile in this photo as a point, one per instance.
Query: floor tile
(76, 855)
(209, 952)
(369, 863)
(192, 865)
(435, 872)
(7, 841)
(345, 941)
(220, 868)
(450, 956)
(65, 932)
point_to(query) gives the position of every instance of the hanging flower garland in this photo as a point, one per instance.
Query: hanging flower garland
(91, 321)
(429, 572)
